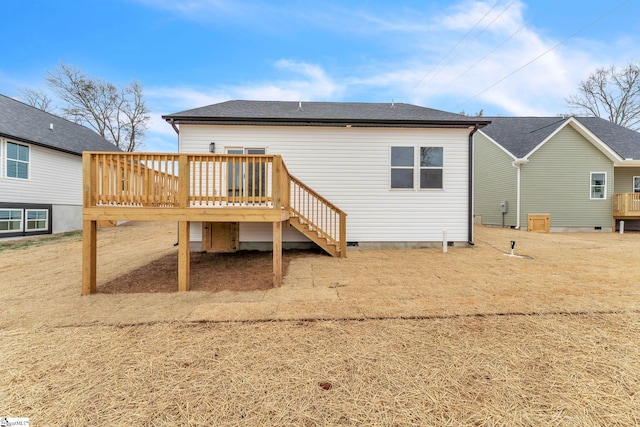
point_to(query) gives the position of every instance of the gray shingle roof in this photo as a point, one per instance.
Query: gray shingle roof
(322, 112)
(28, 124)
(520, 135)
(622, 140)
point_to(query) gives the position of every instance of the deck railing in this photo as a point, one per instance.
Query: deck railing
(153, 180)
(626, 204)
(131, 179)
(318, 214)
(231, 180)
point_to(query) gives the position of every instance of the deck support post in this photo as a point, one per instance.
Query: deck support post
(277, 253)
(89, 255)
(184, 261)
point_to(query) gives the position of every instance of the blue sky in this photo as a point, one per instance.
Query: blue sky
(506, 57)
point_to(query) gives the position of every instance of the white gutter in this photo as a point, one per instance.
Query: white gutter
(516, 164)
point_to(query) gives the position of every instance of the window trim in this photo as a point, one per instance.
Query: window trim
(440, 168)
(24, 207)
(417, 168)
(26, 220)
(411, 168)
(6, 159)
(591, 186)
(633, 184)
(10, 220)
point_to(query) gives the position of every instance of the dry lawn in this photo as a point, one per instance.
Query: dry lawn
(384, 337)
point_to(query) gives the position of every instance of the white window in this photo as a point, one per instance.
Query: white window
(402, 161)
(598, 185)
(24, 220)
(636, 184)
(37, 220)
(10, 220)
(17, 161)
(428, 175)
(431, 167)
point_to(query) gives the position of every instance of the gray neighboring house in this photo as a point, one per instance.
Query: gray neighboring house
(582, 171)
(41, 170)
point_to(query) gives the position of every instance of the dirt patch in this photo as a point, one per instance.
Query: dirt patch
(239, 271)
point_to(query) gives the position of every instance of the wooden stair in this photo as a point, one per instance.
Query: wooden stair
(316, 236)
(315, 217)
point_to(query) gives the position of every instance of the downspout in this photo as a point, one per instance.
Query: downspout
(516, 164)
(470, 197)
(173, 125)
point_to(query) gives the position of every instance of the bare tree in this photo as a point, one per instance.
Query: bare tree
(136, 116)
(37, 99)
(611, 93)
(478, 114)
(119, 115)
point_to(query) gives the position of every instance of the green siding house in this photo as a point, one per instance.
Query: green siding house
(584, 172)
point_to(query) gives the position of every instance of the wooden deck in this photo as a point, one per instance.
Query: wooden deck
(208, 188)
(626, 205)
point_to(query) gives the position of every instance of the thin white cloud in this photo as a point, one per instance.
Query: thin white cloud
(181, 98)
(168, 100)
(495, 16)
(432, 65)
(447, 69)
(197, 9)
(307, 82)
(248, 13)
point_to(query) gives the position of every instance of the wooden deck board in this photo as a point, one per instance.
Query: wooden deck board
(225, 214)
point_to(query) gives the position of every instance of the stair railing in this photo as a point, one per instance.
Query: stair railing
(318, 214)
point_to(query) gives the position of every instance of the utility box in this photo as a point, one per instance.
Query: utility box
(504, 206)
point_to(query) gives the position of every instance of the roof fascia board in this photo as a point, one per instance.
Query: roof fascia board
(498, 145)
(39, 144)
(342, 122)
(627, 164)
(335, 125)
(586, 133)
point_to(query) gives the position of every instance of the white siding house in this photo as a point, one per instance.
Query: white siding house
(41, 170)
(348, 153)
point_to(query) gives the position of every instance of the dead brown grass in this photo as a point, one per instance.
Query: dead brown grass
(512, 371)
(409, 337)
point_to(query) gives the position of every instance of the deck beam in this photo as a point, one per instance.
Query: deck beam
(225, 214)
